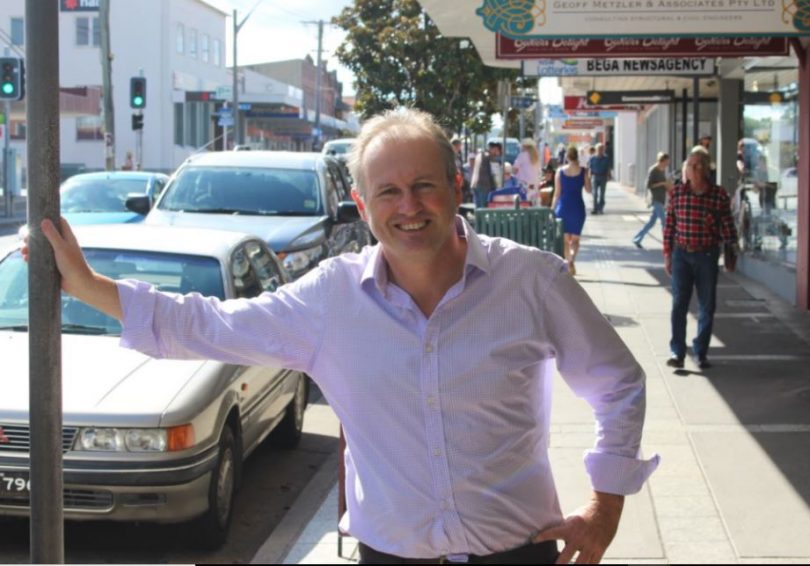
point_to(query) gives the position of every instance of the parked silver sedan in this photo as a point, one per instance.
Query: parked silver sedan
(146, 439)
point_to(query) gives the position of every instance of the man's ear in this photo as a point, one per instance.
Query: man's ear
(361, 205)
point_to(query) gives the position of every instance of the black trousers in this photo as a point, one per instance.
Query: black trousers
(539, 553)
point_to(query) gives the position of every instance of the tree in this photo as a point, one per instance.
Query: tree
(400, 58)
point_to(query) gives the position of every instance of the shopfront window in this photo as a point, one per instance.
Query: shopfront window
(766, 199)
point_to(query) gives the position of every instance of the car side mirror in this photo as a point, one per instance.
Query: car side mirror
(347, 212)
(139, 204)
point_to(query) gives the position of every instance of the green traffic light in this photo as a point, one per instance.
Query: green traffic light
(137, 101)
(8, 88)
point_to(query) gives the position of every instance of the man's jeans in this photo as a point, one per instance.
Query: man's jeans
(599, 187)
(698, 270)
(658, 213)
(480, 195)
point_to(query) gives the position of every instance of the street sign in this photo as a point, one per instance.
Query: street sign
(602, 97)
(521, 102)
(245, 106)
(224, 111)
(224, 92)
(225, 121)
(772, 97)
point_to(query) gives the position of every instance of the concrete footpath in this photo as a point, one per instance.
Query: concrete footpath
(734, 482)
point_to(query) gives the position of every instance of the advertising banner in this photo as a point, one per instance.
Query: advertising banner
(625, 18)
(526, 49)
(668, 66)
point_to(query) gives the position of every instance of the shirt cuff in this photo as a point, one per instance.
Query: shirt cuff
(138, 306)
(617, 474)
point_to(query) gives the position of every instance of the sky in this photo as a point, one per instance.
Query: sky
(276, 31)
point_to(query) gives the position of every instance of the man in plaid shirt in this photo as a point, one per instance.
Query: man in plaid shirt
(698, 220)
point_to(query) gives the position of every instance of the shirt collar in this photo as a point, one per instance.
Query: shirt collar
(477, 258)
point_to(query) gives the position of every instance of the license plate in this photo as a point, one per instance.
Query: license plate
(14, 484)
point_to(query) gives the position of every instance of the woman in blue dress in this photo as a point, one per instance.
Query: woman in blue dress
(569, 205)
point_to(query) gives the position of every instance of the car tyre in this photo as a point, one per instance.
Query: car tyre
(288, 433)
(216, 522)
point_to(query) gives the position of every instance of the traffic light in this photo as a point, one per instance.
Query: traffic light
(12, 78)
(137, 92)
(137, 121)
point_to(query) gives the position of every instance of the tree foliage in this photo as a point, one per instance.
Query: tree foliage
(400, 58)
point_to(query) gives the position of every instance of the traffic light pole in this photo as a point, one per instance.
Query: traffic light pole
(44, 309)
(7, 198)
(106, 79)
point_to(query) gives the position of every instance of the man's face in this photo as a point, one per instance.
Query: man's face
(457, 147)
(706, 142)
(494, 151)
(600, 150)
(409, 203)
(695, 173)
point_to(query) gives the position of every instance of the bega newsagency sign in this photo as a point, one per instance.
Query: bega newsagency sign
(618, 67)
(525, 19)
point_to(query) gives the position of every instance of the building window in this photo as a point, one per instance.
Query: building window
(88, 31)
(17, 31)
(192, 121)
(89, 128)
(181, 38)
(18, 130)
(217, 60)
(192, 43)
(179, 138)
(204, 48)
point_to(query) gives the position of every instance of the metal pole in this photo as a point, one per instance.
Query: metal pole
(6, 189)
(106, 79)
(316, 142)
(695, 110)
(237, 130)
(684, 125)
(45, 346)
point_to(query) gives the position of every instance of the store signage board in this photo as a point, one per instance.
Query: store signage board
(531, 19)
(602, 97)
(667, 66)
(526, 49)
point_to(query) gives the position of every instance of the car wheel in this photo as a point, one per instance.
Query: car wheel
(217, 520)
(289, 431)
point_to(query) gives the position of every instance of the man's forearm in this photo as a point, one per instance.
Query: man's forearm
(101, 293)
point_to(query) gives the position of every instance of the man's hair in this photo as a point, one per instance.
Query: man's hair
(495, 144)
(399, 124)
(662, 155)
(600, 146)
(705, 158)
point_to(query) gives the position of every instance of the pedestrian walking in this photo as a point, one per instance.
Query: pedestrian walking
(485, 177)
(659, 185)
(527, 165)
(569, 205)
(435, 348)
(698, 220)
(128, 164)
(599, 172)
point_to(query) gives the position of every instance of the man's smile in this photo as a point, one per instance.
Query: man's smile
(413, 226)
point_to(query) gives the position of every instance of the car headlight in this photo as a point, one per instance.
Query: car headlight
(135, 439)
(296, 263)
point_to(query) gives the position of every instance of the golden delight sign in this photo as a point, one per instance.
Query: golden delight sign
(523, 19)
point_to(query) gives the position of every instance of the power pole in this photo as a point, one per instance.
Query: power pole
(106, 78)
(238, 134)
(316, 146)
(316, 130)
(44, 307)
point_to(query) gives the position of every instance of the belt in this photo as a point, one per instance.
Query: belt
(533, 553)
(697, 249)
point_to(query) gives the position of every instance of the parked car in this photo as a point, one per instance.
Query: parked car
(101, 197)
(339, 148)
(299, 203)
(146, 439)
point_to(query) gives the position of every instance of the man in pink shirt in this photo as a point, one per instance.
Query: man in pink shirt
(446, 402)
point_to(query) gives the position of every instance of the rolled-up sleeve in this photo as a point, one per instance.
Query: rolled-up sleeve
(598, 366)
(284, 327)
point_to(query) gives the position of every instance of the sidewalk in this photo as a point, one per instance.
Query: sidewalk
(734, 482)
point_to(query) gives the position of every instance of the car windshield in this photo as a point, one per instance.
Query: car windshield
(244, 190)
(338, 148)
(169, 272)
(98, 195)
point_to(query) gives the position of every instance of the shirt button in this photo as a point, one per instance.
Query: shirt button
(428, 348)
(437, 452)
(431, 401)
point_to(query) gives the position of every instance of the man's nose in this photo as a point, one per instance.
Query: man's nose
(410, 202)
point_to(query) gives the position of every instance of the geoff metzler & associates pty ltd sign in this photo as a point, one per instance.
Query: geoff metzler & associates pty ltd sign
(603, 18)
